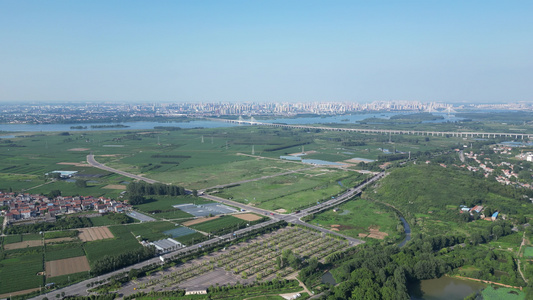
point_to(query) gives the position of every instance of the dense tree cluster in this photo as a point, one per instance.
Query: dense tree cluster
(60, 224)
(143, 188)
(110, 263)
(383, 272)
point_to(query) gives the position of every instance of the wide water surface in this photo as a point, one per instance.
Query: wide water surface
(210, 124)
(444, 288)
(131, 125)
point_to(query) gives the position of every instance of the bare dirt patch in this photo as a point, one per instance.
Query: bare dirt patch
(115, 187)
(79, 149)
(248, 217)
(17, 293)
(94, 233)
(373, 232)
(108, 155)
(198, 221)
(66, 266)
(281, 210)
(300, 153)
(24, 244)
(74, 164)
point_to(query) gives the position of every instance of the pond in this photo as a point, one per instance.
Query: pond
(444, 288)
(328, 278)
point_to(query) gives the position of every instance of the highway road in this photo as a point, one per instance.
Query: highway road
(94, 163)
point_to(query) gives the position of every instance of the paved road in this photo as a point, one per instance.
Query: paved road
(94, 163)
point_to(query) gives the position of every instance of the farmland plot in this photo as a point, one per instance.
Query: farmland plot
(67, 266)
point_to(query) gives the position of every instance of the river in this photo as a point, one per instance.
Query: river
(131, 126)
(207, 124)
(407, 230)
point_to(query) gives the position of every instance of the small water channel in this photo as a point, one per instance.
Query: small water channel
(444, 288)
(407, 229)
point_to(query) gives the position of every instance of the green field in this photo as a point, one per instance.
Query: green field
(123, 241)
(293, 191)
(20, 273)
(60, 234)
(501, 293)
(161, 206)
(191, 239)
(357, 216)
(151, 231)
(220, 225)
(528, 252)
(61, 251)
(242, 168)
(16, 238)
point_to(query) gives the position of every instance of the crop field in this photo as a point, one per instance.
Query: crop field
(60, 234)
(528, 252)
(67, 266)
(61, 251)
(122, 242)
(25, 244)
(359, 218)
(501, 293)
(293, 191)
(151, 231)
(161, 206)
(191, 239)
(220, 225)
(94, 234)
(21, 273)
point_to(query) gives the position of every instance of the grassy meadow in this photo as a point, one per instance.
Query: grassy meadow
(357, 216)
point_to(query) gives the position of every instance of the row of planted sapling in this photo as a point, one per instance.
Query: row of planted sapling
(259, 258)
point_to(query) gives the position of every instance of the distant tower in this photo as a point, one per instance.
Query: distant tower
(303, 149)
(390, 137)
(158, 141)
(409, 155)
(253, 149)
(202, 139)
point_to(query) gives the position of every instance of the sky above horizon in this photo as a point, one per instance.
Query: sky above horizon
(187, 51)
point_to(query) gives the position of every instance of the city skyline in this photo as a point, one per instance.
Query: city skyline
(237, 51)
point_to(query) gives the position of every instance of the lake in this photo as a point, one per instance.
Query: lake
(444, 288)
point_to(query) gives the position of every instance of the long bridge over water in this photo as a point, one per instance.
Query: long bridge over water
(252, 121)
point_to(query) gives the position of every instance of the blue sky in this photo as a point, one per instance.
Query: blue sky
(451, 51)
